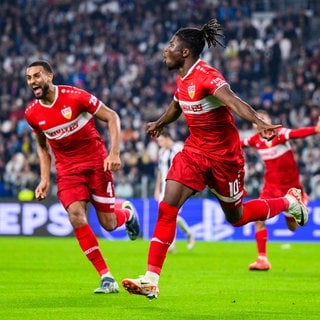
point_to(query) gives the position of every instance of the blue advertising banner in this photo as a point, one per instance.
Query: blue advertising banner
(207, 221)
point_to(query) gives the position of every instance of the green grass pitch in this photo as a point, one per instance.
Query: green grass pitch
(49, 278)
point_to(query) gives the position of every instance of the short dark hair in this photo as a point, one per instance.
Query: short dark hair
(45, 64)
(262, 111)
(166, 133)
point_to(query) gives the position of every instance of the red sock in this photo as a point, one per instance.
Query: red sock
(89, 245)
(123, 215)
(163, 236)
(262, 209)
(261, 239)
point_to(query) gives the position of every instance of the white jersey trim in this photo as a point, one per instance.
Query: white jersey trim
(56, 94)
(236, 198)
(275, 151)
(201, 106)
(69, 128)
(103, 199)
(98, 108)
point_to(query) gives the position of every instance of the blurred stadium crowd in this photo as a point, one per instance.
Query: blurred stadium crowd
(114, 50)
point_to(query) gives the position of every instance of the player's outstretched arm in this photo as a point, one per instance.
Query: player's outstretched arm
(246, 112)
(44, 155)
(112, 162)
(305, 131)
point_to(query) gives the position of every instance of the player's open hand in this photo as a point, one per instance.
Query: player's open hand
(112, 163)
(42, 190)
(154, 129)
(268, 131)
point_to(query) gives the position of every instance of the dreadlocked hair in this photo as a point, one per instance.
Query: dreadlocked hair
(211, 31)
(196, 38)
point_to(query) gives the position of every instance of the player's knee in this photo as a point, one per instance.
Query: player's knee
(77, 218)
(108, 221)
(233, 215)
(234, 219)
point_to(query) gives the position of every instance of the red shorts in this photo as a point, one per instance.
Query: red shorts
(197, 171)
(87, 184)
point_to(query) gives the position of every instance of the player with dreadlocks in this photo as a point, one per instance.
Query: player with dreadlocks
(212, 154)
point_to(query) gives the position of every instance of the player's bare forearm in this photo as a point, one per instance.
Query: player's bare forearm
(114, 133)
(171, 114)
(240, 107)
(246, 112)
(113, 162)
(44, 158)
(44, 155)
(113, 120)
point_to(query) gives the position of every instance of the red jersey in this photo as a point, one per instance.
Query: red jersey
(69, 127)
(281, 169)
(211, 124)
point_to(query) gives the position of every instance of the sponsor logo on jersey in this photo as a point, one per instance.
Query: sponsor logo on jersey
(269, 144)
(218, 82)
(93, 100)
(194, 108)
(66, 112)
(191, 91)
(200, 68)
(62, 132)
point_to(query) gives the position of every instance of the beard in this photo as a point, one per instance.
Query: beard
(173, 65)
(45, 90)
(170, 66)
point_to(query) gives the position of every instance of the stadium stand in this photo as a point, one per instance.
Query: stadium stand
(113, 49)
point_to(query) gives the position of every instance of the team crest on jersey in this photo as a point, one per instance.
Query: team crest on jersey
(269, 144)
(191, 91)
(66, 112)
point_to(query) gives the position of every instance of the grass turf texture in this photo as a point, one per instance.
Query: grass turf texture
(49, 278)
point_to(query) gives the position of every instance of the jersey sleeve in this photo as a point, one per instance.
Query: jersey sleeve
(301, 132)
(215, 80)
(89, 102)
(30, 121)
